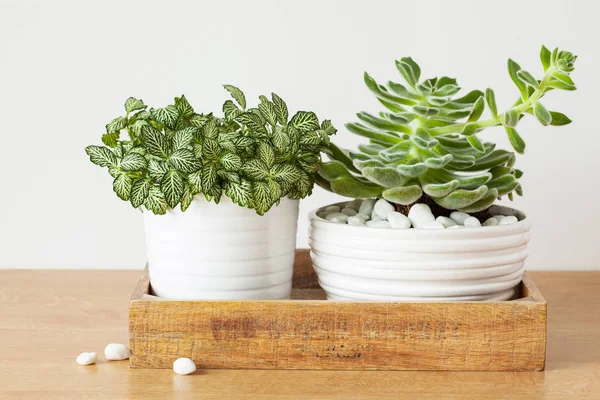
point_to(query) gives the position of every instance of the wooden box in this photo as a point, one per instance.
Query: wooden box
(308, 332)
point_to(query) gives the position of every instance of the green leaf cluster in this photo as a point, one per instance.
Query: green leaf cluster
(255, 156)
(426, 141)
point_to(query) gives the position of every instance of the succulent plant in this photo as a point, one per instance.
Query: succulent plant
(426, 142)
(255, 156)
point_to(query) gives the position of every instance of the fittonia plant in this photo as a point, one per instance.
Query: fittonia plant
(427, 144)
(255, 156)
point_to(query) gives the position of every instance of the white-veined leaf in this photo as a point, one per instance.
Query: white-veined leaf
(210, 149)
(183, 106)
(305, 121)
(280, 139)
(256, 169)
(237, 94)
(209, 178)
(184, 161)
(261, 197)
(240, 193)
(155, 201)
(157, 169)
(186, 198)
(183, 138)
(133, 162)
(210, 130)
(195, 181)
(230, 110)
(172, 187)
(266, 154)
(231, 162)
(286, 173)
(101, 156)
(116, 124)
(281, 110)
(267, 110)
(253, 121)
(139, 192)
(122, 186)
(111, 139)
(167, 115)
(133, 104)
(155, 141)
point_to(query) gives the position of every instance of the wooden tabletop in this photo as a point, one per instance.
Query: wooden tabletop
(48, 317)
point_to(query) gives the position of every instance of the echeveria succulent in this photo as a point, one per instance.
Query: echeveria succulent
(426, 142)
(255, 156)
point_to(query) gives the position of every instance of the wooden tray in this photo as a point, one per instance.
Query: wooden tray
(308, 332)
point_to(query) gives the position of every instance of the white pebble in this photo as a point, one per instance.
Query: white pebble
(420, 214)
(455, 227)
(354, 204)
(364, 216)
(376, 219)
(447, 222)
(383, 208)
(509, 220)
(184, 366)
(490, 222)
(374, 214)
(333, 209)
(367, 206)
(337, 221)
(356, 220)
(378, 224)
(116, 351)
(472, 222)
(499, 217)
(432, 225)
(398, 220)
(87, 358)
(322, 214)
(337, 215)
(459, 217)
(349, 211)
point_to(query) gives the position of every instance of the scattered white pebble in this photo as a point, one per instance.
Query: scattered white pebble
(499, 217)
(116, 351)
(367, 206)
(349, 211)
(336, 220)
(333, 209)
(356, 220)
(459, 217)
(87, 358)
(374, 214)
(184, 366)
(354, 204)
(364, 216)
(376, 219)
(420, 214)
(432, 225)
(508, 220)
(383, 208)
(472, 222)
(378, 224)
(337, 215)
(455, 227)
(398, 220)
(447, 222)
(490, 222)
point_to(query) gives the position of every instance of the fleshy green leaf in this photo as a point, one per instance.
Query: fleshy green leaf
(513, 69)
(559, 119)
(545, 57)
(542, 114)
(476, 143)
(403, 195)
(477, 110)
(409, 70)
(490, 98)
(515, 139)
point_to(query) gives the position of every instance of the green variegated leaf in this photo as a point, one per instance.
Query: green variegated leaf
(139, 192)
(133, 162)
(156, 143)
(261, 198)
(195, 181)
(281, 110)
(267, 110)
(305, 121)
(182, 138)
(198, 120)
(167, 115)
(116, 124)
(172, 186)
(184, 161)
(256, 169)
(111, 139)
(266, 154)
(280, 139)
(157, 169)
(122, 186)
(101, 156)
(210, 130)
(253, 121)
(285, 173)
(155, 201)
(237, 95)
(183, 107)
(231, 162)
(209, 179)
(186, 198)
(230, 110)
(133, 104)
(240, 193)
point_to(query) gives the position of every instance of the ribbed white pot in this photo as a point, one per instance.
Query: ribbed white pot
(364, 263)
(222, 251)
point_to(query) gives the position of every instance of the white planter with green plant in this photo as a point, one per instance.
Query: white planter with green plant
(219, 195)
(424, 151)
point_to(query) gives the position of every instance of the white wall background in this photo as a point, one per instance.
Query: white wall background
(66, 67)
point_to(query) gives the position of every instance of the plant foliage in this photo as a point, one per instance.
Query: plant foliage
(255, 156)
(426, 141)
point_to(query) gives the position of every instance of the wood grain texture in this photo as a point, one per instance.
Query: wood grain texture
(314, 334)
(48, 317)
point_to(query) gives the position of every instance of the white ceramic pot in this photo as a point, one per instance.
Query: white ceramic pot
(364, 263)
(222, 251)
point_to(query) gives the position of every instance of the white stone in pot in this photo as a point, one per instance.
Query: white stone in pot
(378, 224)
(472, 222)
(354, 204)
(356, 220)
(349, 211)
(333, 209)
(398, 220)
(490, 222)
(508, 220)
(383, 208)
(420, 214)
(459, 217)
(445, 221)
(364, 216)
(338, 215)
(337, 220)
(367, 206)
(432, 225)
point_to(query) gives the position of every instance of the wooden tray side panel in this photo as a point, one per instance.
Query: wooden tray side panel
(345, 336)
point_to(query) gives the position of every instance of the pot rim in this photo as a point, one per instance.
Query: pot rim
(523, 225)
